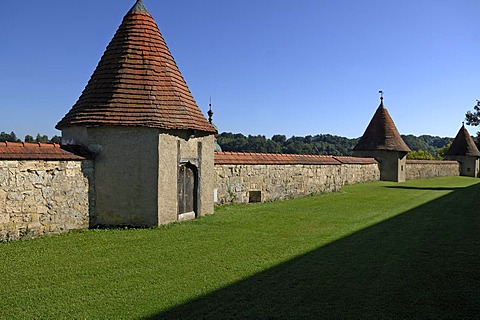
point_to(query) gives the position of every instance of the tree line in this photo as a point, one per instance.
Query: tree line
(423, 147)
(473, 119)
(12, 137)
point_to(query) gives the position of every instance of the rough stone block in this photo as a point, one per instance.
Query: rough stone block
(4, 218)
(8, 164)
(15, 196)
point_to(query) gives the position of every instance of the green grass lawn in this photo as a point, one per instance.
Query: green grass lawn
(374, 250)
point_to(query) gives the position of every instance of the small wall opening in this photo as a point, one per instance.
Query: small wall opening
(254, 196)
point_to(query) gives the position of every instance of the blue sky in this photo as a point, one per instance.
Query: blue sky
(300, 67)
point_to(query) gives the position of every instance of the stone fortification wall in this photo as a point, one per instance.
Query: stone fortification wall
(243, 178)
(424, 169)
(43, 197)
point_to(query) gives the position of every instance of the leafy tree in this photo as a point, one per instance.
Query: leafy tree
(29, 138)
(232, 142)
(41, 139)
(420, 155)
(9, 137)
(279, 138)
(441, 151)
(56, 139)
(473, 119)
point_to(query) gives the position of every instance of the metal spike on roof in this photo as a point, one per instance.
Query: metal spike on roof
(138, 7)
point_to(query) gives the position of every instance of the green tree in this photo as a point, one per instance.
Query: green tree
(29, 138)
(41, 139)
(473, 119)
(420, 155)
(279, 138)
(9, 137)
(441, 151)
(56, 139)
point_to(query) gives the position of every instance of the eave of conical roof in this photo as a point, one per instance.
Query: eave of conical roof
(137, 83)
(463, 145)
(381, 134)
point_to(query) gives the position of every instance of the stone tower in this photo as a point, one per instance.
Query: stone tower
(382, 141)
(153, 146)
(464, 150)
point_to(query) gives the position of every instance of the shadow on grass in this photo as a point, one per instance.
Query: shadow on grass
(426, 188)
(424, 263)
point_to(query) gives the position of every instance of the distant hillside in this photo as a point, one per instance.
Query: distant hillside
(324, 144)
(431, 144)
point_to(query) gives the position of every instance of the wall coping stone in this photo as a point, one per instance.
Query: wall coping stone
(431, 162)
(252, 158)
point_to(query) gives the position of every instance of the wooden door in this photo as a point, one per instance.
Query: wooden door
(187, 188)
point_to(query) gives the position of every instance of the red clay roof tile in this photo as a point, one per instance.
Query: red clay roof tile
(35, 151)
(355, 160)
(285, 159)
(431, 162)
(137, 83)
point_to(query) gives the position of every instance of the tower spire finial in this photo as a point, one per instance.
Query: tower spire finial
(381, 97)
(210, 112)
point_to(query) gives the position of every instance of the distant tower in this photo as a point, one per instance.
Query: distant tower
(382, 141)
(464, 150)
(154, 147)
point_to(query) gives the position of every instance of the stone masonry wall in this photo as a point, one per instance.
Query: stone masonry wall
(43, 197)
(241, 183)
(424, 169)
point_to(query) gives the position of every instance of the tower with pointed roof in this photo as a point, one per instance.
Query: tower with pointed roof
(153, 146)
(464, 150)
(382, 141)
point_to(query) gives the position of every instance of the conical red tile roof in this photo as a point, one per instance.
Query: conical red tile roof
(137, 83)
(463, 145)
(381, 134)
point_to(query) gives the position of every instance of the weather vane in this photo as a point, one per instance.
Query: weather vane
(381, 94)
